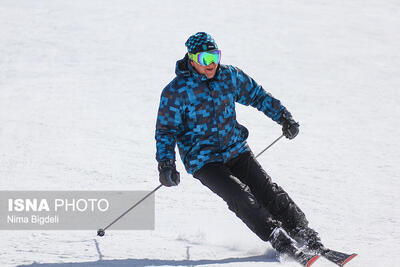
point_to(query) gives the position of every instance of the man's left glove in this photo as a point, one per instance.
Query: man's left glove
(290, 127)
(169, 176)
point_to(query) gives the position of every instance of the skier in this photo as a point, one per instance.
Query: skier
(197, 111)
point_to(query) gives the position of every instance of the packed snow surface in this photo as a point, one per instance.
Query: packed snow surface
(79, 88)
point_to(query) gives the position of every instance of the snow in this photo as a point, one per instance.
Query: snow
(79, 89)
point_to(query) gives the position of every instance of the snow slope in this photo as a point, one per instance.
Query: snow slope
(79, 89)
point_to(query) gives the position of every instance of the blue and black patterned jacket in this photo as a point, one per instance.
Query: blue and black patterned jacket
(199, 114)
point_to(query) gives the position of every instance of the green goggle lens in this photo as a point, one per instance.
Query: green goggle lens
(207, 57)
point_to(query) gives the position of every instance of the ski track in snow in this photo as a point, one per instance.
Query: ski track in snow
(79, 90)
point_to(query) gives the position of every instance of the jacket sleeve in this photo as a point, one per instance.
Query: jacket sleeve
(248, 92)
(169, 123)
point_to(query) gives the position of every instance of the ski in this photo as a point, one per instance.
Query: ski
(306, 259)
(337, 257)
(303, 258)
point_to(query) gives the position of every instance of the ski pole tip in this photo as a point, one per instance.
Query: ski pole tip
(101, 232)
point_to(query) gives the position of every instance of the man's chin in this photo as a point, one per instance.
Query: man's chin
(210, 74)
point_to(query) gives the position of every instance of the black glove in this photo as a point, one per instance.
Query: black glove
(290, 127)
(169, 176)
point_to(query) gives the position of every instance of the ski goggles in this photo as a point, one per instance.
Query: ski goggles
(207, 57)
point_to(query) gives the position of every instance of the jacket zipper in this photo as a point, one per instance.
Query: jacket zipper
(215, 118)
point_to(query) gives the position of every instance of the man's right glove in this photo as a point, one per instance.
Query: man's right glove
(290, 128)
(169, 176)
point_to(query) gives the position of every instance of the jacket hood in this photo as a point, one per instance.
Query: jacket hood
(183, 67)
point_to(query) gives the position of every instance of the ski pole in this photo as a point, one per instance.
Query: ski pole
(101, 231)
(265, 149)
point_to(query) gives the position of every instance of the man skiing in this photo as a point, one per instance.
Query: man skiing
(197, 112)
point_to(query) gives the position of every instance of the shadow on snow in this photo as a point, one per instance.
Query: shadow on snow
(155, 262)
(269, 256)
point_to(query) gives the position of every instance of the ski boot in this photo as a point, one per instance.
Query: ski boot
(308, 239)
(285, 245)
(310, 242)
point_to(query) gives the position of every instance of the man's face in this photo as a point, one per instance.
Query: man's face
(209, 70)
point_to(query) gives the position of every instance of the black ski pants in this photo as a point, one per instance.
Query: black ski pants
(249, 192)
